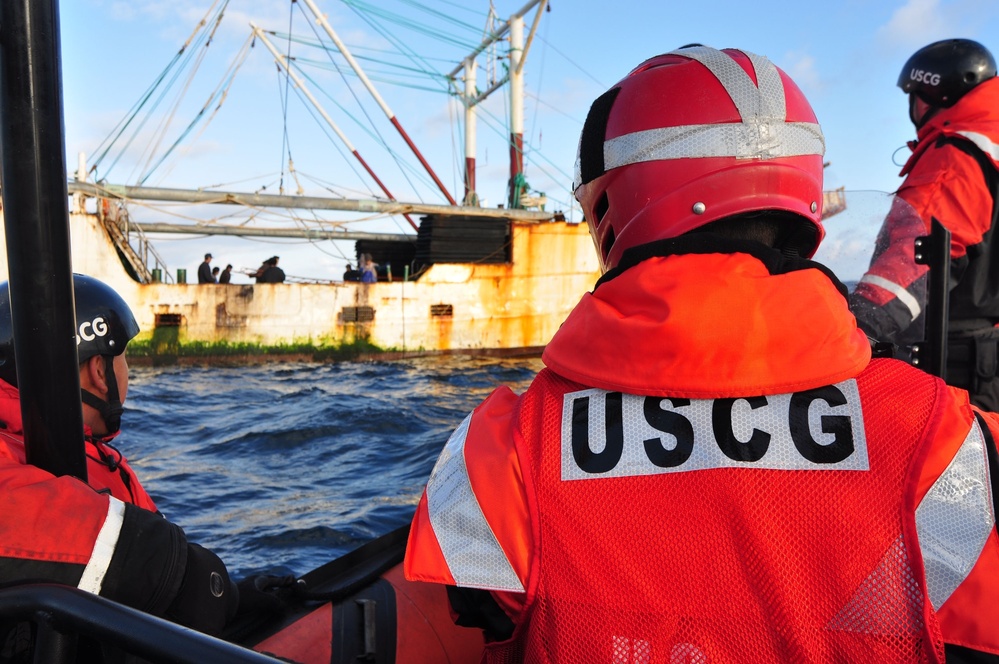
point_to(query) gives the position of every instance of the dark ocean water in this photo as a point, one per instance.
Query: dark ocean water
(285, 467)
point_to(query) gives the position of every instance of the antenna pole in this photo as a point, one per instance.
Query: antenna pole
(516, 111)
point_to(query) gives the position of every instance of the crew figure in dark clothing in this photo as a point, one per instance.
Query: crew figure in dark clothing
(226, 275)
(350, 274)
(205, 271)
(269, 272)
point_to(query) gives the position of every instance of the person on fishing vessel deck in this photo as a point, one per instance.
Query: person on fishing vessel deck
(269, 272)
(350, 274)
(226, 275)
(953, 176)
(205, 271)
(712, 467)
(107, 538)
(369, 269)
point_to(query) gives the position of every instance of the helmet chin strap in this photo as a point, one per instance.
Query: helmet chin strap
(111, 409)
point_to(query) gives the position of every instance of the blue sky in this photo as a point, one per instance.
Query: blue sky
(845, 55)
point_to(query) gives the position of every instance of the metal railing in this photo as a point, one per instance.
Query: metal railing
(63, 614)
(114, 217)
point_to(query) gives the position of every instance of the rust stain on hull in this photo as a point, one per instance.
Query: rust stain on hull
(451, 308)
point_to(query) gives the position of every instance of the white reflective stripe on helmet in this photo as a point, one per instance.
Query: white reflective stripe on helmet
(771, 87)
(983, 143)
(757, 140)
(107, 539)
(955, 519)
(904, 296)
(764, 132)
(763, 101)
(470, 548)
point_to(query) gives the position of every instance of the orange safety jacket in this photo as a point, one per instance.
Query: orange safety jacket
(952, 175)
(713, 469)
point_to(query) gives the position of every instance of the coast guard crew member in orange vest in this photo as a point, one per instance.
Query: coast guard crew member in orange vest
(712, 467)
(953, 176)
(104, 536)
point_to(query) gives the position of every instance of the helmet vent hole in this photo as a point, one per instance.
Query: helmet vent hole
(601, 209)
(608, 242)
(970, 77)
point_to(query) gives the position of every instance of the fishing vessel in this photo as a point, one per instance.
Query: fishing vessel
(355, 608)
(466, 279)
(467, 283)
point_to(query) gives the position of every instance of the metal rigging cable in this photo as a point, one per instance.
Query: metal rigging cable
(165, 123)
(217, 97)
(177, 64)
(397, 18)
(381, 139)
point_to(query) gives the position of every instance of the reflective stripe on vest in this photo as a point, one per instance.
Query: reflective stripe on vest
(97, 568)
(471, 550)
(955, 519)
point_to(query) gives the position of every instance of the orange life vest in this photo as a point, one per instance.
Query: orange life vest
(713, 470)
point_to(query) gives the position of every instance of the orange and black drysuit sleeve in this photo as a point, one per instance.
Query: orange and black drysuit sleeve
(59, 529)
(954, 182)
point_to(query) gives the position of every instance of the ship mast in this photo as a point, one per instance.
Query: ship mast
(471, 198)
(515, 76)
(516, 111)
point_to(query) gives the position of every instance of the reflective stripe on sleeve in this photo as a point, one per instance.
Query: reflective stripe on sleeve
(904, 296)
(983, 143)
(97, 568)
(955, 518)
(471, 550)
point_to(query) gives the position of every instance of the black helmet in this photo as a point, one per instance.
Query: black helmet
(104, 322)
(945, 71)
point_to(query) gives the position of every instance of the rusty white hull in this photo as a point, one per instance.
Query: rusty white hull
(452, 307)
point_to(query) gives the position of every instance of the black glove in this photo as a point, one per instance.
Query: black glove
(207, 599)
(264, 595)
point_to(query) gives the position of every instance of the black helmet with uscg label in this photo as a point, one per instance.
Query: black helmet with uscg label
(105, 324)
(944, 71)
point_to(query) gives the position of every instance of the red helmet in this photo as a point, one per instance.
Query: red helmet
(694, 136)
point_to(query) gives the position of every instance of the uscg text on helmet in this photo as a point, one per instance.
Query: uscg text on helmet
(611, 434)
(923, 76)
(90, 330)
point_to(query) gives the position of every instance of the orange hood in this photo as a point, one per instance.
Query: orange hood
(710, 325)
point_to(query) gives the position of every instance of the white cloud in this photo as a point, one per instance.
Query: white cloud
(918, 22)
(802, 70)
